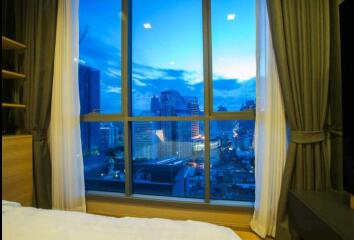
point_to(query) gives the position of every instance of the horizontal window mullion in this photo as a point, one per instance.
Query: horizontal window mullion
(246, 115)
(94, 117)
(98, 117)
(172, 118)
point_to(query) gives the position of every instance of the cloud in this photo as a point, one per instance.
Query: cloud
(145, 72)
(111, 89)
(228, 88)
(192, 77)
(113, 72)
(191, 88)
(113, 63)
(139, 83)
(237, 68)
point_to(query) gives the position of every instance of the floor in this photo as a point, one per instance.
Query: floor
(247, 235)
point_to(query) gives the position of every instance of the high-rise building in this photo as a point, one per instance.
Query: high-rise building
(183, 139)
(89, 91)
(173, 104)
(178, 134)
(155, 105)
(155, 110)
(109, 136)
(193, 107)
(146, 139)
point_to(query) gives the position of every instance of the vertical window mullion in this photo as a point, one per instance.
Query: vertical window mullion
(126, 91)
(207, 91)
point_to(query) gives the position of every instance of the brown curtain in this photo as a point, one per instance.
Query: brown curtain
(301, 37)
(39, 25)
(335, 123)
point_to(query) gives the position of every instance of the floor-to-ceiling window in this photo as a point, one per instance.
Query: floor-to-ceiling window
(167, 91)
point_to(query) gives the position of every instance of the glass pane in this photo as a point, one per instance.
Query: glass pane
(168, 158)
(167, 55)
(100, 56)
(232, 160)
(234, 55)
(103, 152)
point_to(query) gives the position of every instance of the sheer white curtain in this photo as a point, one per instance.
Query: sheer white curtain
(68, 190)
(270, 132)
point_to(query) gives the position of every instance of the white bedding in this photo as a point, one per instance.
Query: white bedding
(39, 224)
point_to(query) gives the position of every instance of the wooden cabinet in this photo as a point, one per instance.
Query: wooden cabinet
(17, 170)
(321, 215)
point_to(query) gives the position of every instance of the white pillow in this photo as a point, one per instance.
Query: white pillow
(7, 205)
(10, 203)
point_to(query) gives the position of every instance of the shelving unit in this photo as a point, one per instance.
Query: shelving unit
(10, 44)
(17, 167)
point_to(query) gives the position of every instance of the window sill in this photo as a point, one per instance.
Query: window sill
(177, 202)
(235, 215)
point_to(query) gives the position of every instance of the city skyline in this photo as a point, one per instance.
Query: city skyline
(246, 93)
(168, 157)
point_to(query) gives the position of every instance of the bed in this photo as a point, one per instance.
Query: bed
(29, 223)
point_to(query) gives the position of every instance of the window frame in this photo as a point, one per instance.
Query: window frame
(126, 114)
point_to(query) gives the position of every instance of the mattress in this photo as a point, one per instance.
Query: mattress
(36, 224)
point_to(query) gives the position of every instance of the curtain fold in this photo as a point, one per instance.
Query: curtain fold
(39, 24)
(301, 39)
(270, 128)
(68, 190)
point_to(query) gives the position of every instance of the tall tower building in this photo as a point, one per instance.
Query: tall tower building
(173, 104)
(155, 109)
(155, 105)
(193, 107)
(89, 91)
(110, 135)
(178, 134)
(145, 140)
(183, 139)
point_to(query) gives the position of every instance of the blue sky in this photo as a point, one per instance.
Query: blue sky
(169, 53)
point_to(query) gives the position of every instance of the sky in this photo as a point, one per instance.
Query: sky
(167, 49)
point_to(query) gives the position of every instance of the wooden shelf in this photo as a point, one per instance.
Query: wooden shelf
(9, 44)
(13, 105)
(9, 74)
